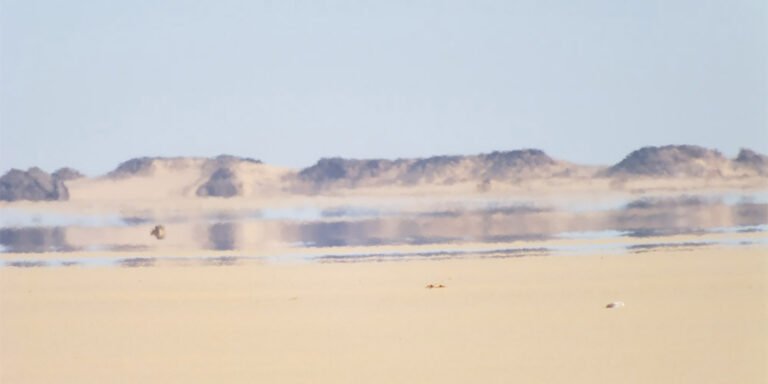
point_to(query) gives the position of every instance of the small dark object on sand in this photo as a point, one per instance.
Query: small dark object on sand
(158, 232)
(430, 286)
(615, 304)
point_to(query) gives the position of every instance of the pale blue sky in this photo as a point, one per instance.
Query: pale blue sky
(89, 84)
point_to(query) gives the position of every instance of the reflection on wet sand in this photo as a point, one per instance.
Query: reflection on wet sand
(671, 202)
(35, 239)
(689, 245)
(608, 242)
(383, 225)
(221, 261)
(642, 220)
(435, 255)
(223, 236)
(26, 264)
(137, 262)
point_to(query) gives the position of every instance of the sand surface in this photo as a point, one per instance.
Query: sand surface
(690, 317)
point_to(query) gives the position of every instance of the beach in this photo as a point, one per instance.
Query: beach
(691, 316)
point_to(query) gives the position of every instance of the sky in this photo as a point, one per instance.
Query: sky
(89, 84)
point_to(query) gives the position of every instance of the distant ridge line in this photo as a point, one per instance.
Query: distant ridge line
(222, 176)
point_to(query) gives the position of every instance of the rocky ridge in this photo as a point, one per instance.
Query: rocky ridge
(224, 176)
(443, 170)
(33, 184)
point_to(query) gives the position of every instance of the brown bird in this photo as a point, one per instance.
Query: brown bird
(158, 232)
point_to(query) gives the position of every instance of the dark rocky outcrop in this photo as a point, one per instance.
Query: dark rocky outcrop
(749, 159)
(500, 165)
(137, 166)
(482, 168)
(326, 170)
(66, 173)
(222, 183)
(33, 184)
(672, 161)
(227, 160)
(351, 171)
(142, 166)
(431, 169)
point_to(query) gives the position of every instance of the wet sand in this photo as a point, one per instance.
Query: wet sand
(695, 316)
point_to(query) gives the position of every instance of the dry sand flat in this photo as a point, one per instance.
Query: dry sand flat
(690, 317)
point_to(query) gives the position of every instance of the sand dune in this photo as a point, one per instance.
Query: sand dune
(171, 179)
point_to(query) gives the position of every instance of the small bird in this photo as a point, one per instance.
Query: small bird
(615, 304)
(158, 232)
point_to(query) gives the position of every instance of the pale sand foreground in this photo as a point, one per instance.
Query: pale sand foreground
(690, 317)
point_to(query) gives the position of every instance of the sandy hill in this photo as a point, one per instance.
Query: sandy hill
(688, 161)
(166, 177)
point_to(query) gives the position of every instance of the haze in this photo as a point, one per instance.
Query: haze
(89, 84)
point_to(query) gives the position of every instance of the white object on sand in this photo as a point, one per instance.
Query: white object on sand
(615, 304)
